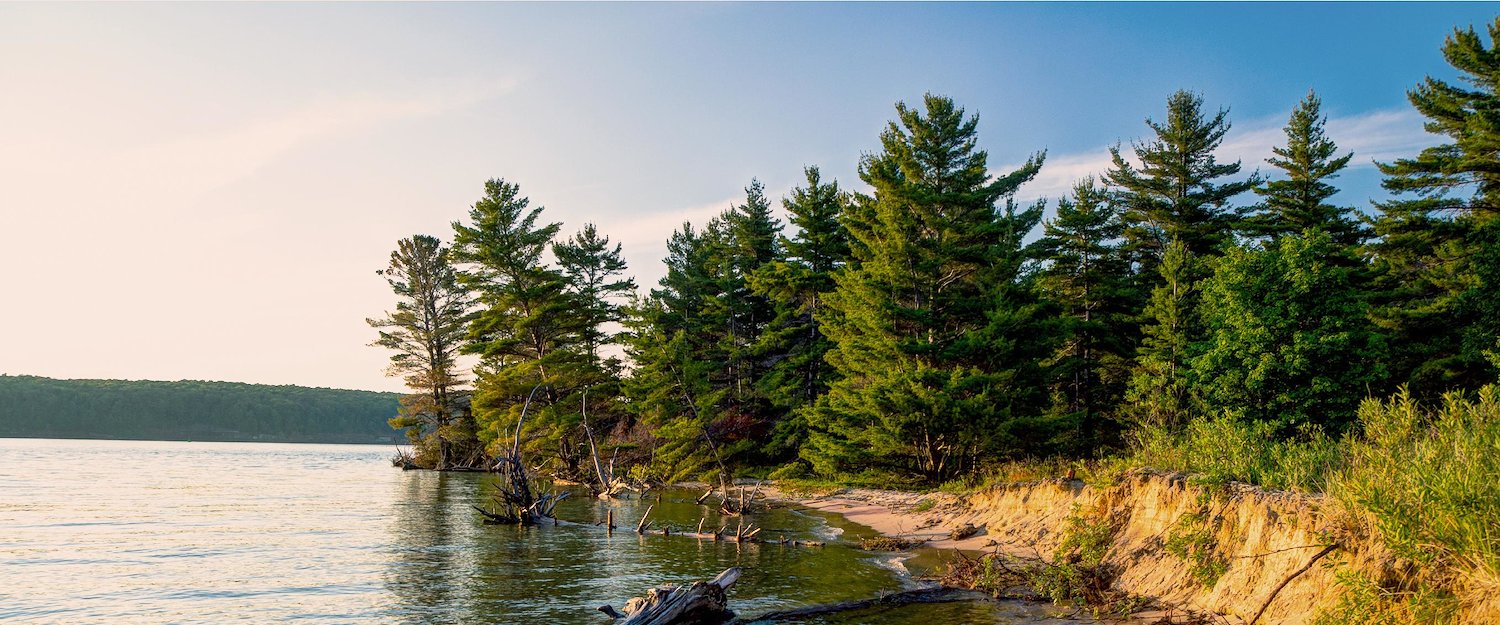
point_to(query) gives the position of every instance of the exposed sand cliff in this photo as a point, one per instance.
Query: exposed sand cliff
(1231, 548)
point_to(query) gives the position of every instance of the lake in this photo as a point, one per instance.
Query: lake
(184, 532)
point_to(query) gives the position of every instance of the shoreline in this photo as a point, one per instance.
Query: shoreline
(926, 519)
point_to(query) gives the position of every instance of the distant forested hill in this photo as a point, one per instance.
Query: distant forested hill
(191, 410)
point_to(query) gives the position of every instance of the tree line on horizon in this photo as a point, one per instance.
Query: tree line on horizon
(934, 325)
(34, 406)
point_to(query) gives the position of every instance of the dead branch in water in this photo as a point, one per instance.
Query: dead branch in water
(910, 597)
(516, 501)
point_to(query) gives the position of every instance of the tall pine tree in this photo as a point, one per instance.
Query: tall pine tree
(593, 270)
(1300, 201)
(793, 344)
(914, 320)
(526, 331)
(1161, 392)
(1179, 192)
(427, 331)
(1088, 277)
(1438, 253)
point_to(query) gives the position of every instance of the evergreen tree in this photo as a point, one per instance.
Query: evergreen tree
(1088, 277)
(672, 392)
(593, 272)
(1178, 192)
(750, 243)
(1300, 202)
(793, 343)
(1288, 336)
(526, 331)
(681, 381)
(427, 331)
(1161, 393)
(1436, 253)
(924, 385)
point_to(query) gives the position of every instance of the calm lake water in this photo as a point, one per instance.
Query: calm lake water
(176, 532)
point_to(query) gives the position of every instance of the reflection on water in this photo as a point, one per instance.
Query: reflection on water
(171, 532)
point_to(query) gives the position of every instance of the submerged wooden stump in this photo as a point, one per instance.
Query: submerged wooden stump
(699, 603)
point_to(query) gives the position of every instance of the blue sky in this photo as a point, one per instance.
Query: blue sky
(206, 190)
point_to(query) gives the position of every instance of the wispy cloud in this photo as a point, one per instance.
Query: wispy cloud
(644, 237)
(1373, 136)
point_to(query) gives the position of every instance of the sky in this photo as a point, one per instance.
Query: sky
(205, 191)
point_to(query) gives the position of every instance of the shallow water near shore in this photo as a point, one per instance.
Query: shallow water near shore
(174, 532)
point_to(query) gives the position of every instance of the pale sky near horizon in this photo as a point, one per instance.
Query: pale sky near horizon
(205, 191)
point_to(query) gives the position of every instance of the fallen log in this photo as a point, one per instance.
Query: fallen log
(910, 597)
(700, 603)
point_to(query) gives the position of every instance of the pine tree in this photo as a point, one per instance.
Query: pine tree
(1161, 391)
(526, 332)
(427, 331)
(750, 243)
(1288, 338)
(1300, 202)
(914, 319)
(1436, 252)
(793, 343)
(1178, 192)
(676, 338)
(1088, 277)
(593, 272)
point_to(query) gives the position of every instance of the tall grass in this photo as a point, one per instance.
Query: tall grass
(1431, 481)
(1428, 477)
(1225, 449)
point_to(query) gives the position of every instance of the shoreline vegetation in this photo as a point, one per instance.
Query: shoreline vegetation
(930, 331)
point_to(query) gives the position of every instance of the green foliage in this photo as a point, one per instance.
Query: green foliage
(697, 340)
(1287, 336)
(1429, 477)
(33, 406)
(934, 335)
(1436, 253)
(1160, 393)
(1192, 540)
(1224, 449)
(427, 331)
(1300, 201)
(1088, 277)
(793, 343)
(1364, 601)
(1178, 192)
(1078, 571)
(529, 332)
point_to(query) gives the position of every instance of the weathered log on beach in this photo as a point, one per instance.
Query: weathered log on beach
(700, 603)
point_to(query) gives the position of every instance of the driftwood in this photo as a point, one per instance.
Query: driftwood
(910, 597)
(516, 499)
(700, 603)
(704, 603)
(1288, 580)
(733, 502)
(608, 486)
